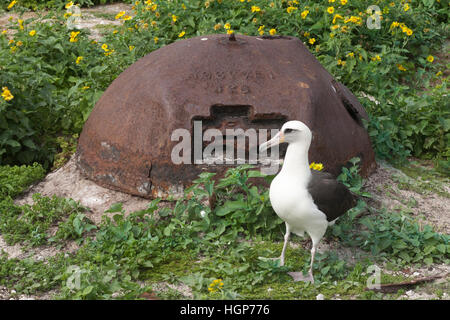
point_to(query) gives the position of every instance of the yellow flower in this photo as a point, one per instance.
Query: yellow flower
(272, 32)
(330, 10)
(291, 9)
(336, 26)
(316, 166)
(409, 32)
(330, 1)
(68, 5)
(19, 43)
(32, 33)
(183, 6)
(131, 48)
(73, 36)
(174, 18)
(126, 18)
(392, 4)
(406, 7)
(230, 31)
(85, 88)
(207, 3)
(6, 94)
(227, 26)
(154, 23)
(20, 21)
(217, 26)
(272, 5)
(4, 32)
(312, 40)
(79, 60)
(337, 16)
(11, 4)
(182, 33)
(67, 14)
(304, 14)
(332, 35)
(256, 9)
(306, 34)
(376, 58)
(344, 29)
(400, 67)
(108, 53)
(351, 55)
(155, 39)
(430, 58)
(261, 28)
(394, 24)
(439, 73)
(120, 14)
(215, 286)
(13, 49)
(343, 2)
(115, 31)
(105, 47)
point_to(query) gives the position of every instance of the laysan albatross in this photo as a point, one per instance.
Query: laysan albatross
(306, 201)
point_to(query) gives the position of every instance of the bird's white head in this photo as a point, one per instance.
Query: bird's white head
(291, 132)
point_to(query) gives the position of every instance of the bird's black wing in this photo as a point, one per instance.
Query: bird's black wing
(330, 196)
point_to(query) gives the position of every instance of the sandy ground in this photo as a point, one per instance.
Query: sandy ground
(90, 18)
(432, 208)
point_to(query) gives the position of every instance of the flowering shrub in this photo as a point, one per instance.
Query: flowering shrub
(52, 76)
(40, 4)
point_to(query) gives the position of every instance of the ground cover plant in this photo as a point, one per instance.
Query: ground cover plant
(51, 75)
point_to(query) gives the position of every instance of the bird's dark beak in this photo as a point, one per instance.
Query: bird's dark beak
(279, 138)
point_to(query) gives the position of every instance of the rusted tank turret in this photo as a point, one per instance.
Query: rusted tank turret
(225, 82)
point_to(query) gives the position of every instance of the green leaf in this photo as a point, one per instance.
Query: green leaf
(116, 207)
(230, 206)
(87, 290)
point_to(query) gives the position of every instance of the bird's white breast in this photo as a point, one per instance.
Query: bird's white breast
(292, 202)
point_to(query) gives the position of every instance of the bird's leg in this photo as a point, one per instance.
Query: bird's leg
(313, 253)
(286, 240)
(298, 276)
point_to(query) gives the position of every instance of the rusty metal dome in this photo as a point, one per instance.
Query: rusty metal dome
(226, 82)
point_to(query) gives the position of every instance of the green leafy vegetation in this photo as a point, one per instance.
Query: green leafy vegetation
(129, 254)
(50, 4)
(15, 179)
(220, 237)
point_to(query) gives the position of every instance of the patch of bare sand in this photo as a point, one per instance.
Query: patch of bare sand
(68, 182)
(433, 208)
(89, 20)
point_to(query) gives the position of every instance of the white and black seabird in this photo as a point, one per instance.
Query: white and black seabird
(307, 201)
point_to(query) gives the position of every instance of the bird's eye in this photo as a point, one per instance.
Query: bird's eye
(288, 130)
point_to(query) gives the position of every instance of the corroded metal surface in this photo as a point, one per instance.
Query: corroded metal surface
(245, 82)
